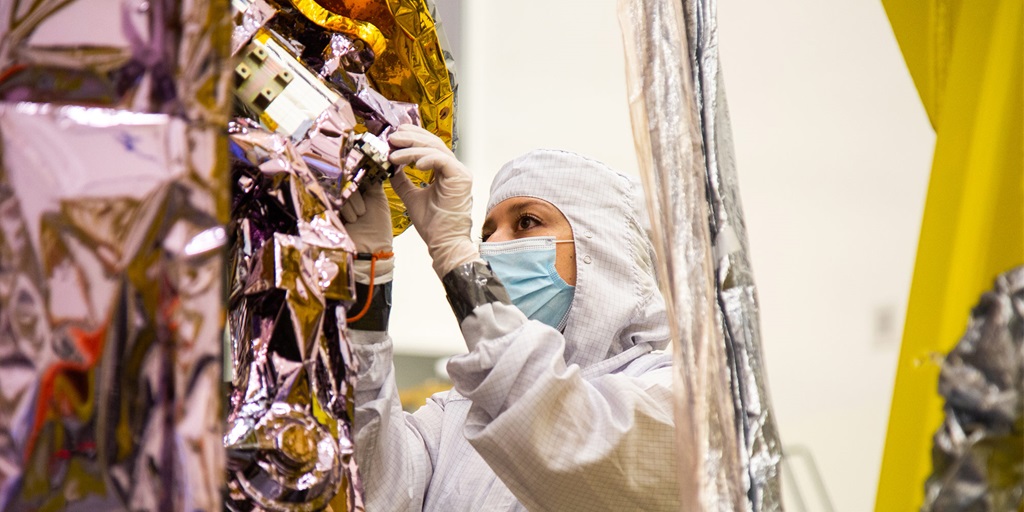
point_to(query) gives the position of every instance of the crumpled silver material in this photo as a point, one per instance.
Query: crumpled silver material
(254, 15)
(298, 79)
(761, 450)
(978, 452)
(312, 130)
(470, 285)
(288, 436)
(729, 446)
(113, 200)
(111, 258)
(159, 56)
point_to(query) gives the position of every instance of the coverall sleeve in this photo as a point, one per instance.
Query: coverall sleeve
(557, 440)
(395, 450)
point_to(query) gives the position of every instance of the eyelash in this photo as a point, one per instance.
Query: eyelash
(526, 216)
(485, 236)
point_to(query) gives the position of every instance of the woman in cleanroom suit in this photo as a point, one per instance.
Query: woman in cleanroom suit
(564, 400)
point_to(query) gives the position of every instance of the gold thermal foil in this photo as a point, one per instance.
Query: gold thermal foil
(412, 69)
(415, 71)
(364, 31)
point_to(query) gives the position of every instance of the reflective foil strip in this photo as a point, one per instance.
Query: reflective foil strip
(288, 439)
(977, 455)
(159, 56)
(761, 449)
(111, 313)
(666, 130)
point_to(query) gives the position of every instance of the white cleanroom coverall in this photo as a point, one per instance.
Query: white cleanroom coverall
(539, 419)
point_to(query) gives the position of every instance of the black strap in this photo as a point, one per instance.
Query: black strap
(376, 319)
(471, 285)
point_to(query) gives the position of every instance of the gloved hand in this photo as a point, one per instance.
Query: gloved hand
(367, 219)
(441, 211)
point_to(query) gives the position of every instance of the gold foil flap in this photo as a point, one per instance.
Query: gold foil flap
(365, 31)
(412, 69)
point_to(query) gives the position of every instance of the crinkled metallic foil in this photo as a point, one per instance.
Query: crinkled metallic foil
(113, 193)
(411, 80)
(729, 446)
(288, 438)
(160, 56)
(314, 131)
(414, 69)
(978, 453)
(364, 31)
(250, 18)
(761, 450)
(111, 310)
(473, 284)
(323, 148)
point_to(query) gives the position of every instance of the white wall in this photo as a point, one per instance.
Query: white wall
(833, 152)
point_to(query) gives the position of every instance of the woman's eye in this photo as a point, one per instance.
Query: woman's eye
(527, 222)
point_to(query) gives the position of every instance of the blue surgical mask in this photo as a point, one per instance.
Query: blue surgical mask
(527, 269)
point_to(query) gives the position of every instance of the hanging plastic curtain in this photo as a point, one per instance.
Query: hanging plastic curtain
(113, 201)
(727, 439)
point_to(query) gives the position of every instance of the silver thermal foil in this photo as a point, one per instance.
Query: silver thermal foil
(728, 439)
(111, 309)
(288, 436)
(113, 193)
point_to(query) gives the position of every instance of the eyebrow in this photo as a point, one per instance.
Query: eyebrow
(529, 202)
(520, 204)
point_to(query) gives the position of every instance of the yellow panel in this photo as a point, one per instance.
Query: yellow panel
(925, 31)
(973, 226)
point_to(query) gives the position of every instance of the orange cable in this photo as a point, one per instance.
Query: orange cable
(369, 297)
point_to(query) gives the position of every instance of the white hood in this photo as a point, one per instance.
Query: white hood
(617, 313)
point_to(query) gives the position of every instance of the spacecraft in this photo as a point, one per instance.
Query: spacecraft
(156, 161)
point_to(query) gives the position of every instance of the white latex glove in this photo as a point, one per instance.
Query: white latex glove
(441, 211)
(367, 219)
(353, 208)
